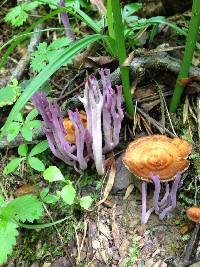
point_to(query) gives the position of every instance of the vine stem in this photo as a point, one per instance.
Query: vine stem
(187, 58)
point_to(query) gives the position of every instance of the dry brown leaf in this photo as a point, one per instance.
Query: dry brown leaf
(24, 190)
(128, 191)
(185, 229)
(100, 5)
(109, 184)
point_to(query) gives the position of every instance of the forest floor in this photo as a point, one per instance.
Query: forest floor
(111, 233)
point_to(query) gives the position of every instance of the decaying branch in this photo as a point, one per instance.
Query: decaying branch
(25, 60)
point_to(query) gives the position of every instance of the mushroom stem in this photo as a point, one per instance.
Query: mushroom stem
(166, 195)
(145, 213)
(175, 186)
(156, 181)
(190, 245)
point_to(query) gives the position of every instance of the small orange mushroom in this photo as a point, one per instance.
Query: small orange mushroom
(69, 127)
(193, 214)
(157, 159)
(157, 154)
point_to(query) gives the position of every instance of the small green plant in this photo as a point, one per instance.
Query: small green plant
(19, 14)
(9, 94)
(45, 53)
(25, 126)
(134, 251)
(68, 192)
(25, 208)
(24, 155)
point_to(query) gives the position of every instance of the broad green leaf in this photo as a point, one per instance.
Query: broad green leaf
(51, 199)
(13, 131)
(68, 194)
(131, 9)
(26, 208)
(86, 202)
(12, 165)
(19, 117)
(34, 124)
(8, 96)
(46, 73)
(53, 174)
(39, 148)
(36, 164)
(8, 234)
(23, 150)
(27, 132)
(48, 198)
(32, 114)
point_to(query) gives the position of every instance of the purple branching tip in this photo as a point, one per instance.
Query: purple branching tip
(55, 132)
(167, 203)
(65, 21)
(112, 112)
(93, 104)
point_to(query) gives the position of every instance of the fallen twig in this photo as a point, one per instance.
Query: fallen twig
(155, 123)
(24, 61)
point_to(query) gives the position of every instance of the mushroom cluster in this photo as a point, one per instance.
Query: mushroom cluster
(158, 159)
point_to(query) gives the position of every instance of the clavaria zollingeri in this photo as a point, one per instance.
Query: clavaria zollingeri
(93, 139)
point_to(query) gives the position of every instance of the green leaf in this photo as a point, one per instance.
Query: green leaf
(31, 115)
(34, 124)
(51, 199)
(86, 202)
(36, 164)
(12, 165)
(1, 200)
(8, 96)
(26, 208)
(16, 16)
(39, 57)
(60, 43)
(68, 194)
(46, 73)
(27, 132)
(19, 117)
(8, 234)
(131, 9)
(53, 174)
(43, 55)
(13, 131)
(39, 148)
(23, 150)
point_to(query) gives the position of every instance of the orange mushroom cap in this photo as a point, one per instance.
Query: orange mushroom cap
(158, 155)
(193, 214)
(70, 129)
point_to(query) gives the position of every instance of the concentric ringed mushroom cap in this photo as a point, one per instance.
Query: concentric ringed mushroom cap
(193, 214)
(158, 155)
